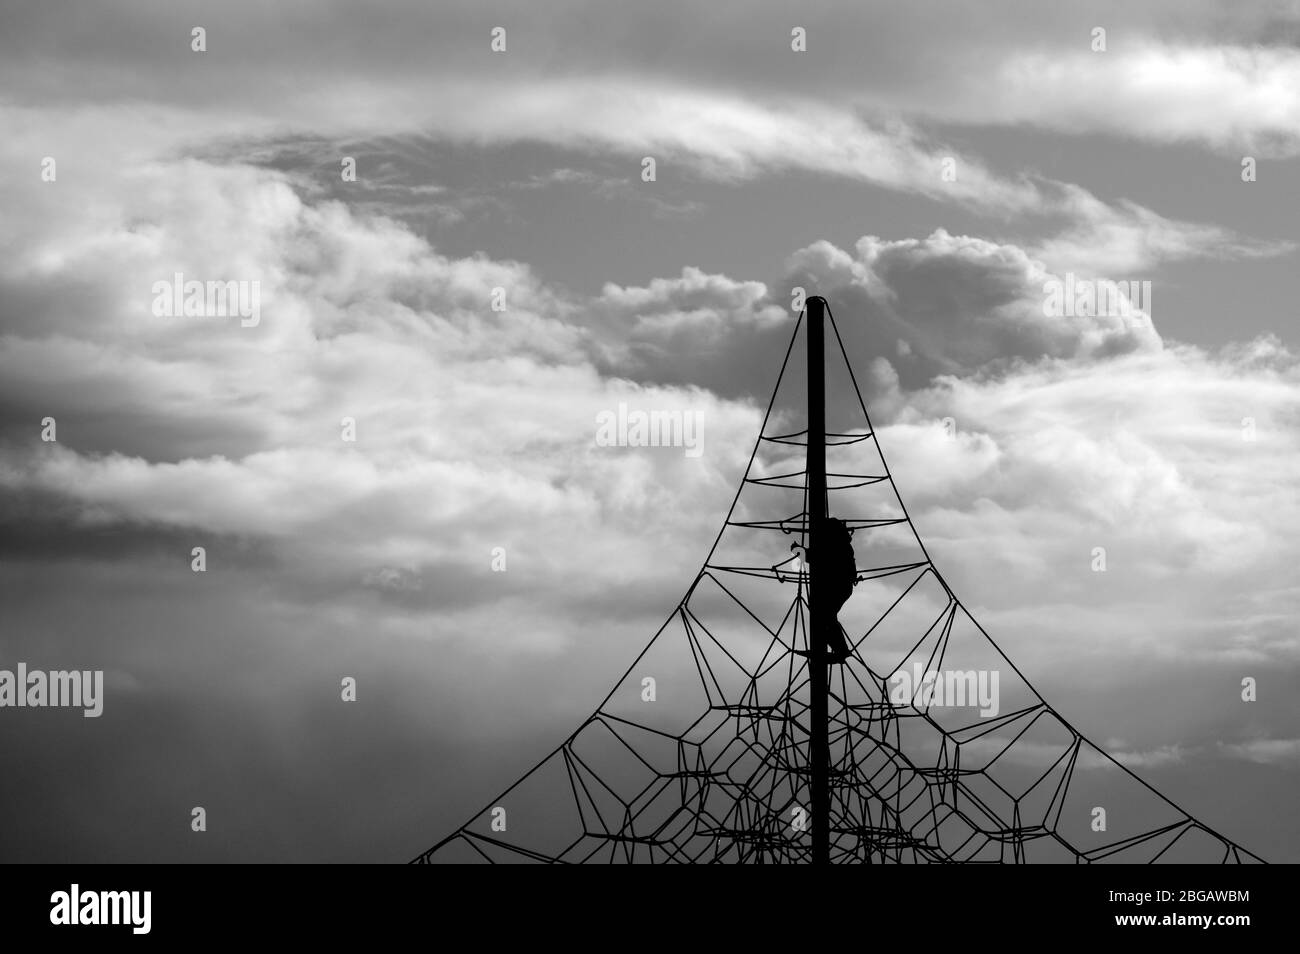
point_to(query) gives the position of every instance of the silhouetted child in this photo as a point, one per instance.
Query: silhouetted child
(837, 574)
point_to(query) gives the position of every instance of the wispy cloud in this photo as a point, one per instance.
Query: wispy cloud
(1265, 751)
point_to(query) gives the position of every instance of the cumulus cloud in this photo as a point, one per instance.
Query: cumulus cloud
(1069, 433)
(958, 303)
(942, 304)
(470, 422)
(697, 327)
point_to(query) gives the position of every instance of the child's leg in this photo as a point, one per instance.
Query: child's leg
(836, 643)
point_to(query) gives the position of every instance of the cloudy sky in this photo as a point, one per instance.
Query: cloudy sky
(1168, 435)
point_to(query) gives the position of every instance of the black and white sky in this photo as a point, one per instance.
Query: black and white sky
(1169, 436)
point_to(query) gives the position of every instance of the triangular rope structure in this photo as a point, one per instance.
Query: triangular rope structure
(700, 752)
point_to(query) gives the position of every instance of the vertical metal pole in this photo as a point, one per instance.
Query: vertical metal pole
(819, 742)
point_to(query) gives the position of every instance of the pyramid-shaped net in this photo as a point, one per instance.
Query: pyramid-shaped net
(700, 752)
